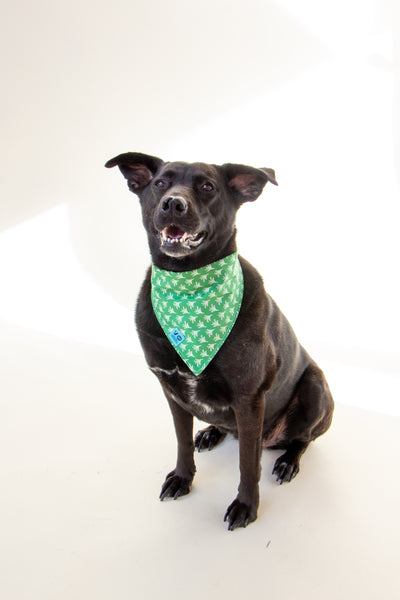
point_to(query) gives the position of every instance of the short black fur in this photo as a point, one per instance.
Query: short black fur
(262, 386)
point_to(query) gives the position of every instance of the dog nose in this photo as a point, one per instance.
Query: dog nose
(174, 204)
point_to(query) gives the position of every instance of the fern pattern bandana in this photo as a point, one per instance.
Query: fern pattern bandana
(197, 309)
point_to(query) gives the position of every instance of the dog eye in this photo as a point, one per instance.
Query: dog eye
(207, 187)
(161, 184)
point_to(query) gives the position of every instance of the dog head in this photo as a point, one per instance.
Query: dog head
(189, 209)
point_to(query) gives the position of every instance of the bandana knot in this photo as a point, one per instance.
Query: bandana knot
(197, 309)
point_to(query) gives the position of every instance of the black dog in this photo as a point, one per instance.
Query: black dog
(261, 385)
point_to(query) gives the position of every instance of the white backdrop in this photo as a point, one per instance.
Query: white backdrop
(310, 89)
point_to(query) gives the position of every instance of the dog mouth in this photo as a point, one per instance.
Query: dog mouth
(174, 237)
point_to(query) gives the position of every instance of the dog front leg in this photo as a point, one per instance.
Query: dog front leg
(249, 417)
(178, 482)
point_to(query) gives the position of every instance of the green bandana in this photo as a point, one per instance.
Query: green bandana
(197, 309)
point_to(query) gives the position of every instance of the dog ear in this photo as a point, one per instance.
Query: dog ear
(139, 169)
(247, 183)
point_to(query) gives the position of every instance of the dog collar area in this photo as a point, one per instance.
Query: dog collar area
(198, 309)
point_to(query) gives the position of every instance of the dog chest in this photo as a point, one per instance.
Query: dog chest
(193, 395)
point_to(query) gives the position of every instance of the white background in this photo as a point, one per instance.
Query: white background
(308, 88)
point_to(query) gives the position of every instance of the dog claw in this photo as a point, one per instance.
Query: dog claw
(208, 438)
(175, 486)
(239, 514)
(285, 470)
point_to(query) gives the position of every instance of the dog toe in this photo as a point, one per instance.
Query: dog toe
(239, 514)
(208, 438)
(174, 487)
(285, 470)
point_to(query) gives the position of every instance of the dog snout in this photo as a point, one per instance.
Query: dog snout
(173, 205)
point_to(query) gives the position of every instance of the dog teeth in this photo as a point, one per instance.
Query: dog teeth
(184, 238)
(173, 240)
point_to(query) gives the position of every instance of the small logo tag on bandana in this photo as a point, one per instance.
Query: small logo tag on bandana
(197, 309)
(176, 336)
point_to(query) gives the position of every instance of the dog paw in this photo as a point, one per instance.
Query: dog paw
(208, 438)
(175, 486)
(285, 470)
(239, 514)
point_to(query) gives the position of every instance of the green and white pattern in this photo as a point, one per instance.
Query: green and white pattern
(197, 309)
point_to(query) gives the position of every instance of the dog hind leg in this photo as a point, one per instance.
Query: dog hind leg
(309, 415)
